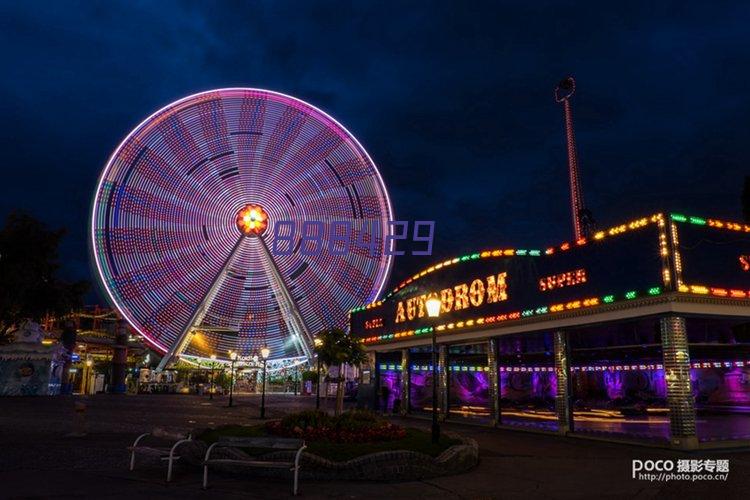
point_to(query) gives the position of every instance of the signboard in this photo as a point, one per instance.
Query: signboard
(713, 254)
(624, 261)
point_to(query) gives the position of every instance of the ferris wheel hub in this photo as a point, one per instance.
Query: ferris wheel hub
(252, 220)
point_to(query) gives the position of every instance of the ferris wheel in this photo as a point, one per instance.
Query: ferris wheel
(217, 226)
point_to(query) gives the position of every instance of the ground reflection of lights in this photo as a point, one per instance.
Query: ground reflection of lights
(471, 411)
(593, 415)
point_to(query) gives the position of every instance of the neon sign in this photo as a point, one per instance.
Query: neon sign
(494, 286)
(644, 258)
(712, 256)
(568, 278)
(490, 290)
(374, 323)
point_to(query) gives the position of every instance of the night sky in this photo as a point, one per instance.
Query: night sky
(454, 102)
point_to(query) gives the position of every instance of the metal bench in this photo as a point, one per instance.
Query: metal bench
(269, 443)
(161, 452)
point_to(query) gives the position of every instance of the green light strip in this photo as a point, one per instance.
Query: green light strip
(678, 217)
(691, 219)
(539, 311)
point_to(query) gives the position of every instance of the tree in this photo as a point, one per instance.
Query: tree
(338, 348)
(29, 264)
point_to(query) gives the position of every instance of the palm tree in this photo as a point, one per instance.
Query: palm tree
(337, 348)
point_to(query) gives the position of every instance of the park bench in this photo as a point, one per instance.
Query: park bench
(161, 452)
(265, 443)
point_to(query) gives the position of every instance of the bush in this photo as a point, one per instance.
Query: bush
(305, 419)
(349, 427)
(358, 420)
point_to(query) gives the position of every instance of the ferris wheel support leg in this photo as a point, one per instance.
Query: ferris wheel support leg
(200, 312)
(287, 304)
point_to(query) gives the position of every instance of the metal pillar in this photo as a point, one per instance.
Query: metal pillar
(435, 382)
(293, 318)
(443, 381)
(120, 358)
(404, 382)
(563, 406)
(263, 391)
(377, 398)
(183, 339)
(494, 379)
(317, 386)
(231, 383)
(676, 355)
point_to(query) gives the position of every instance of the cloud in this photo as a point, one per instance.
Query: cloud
(454, 101)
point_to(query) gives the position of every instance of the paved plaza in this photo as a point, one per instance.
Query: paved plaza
(39, 459)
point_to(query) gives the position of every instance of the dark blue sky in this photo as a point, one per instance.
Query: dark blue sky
(452, 100)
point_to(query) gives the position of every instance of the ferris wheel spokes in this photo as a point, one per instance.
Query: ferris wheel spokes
(174, 193)
(183, 339)
(288, 307)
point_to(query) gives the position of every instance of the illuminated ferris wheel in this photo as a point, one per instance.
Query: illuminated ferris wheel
(189, 210)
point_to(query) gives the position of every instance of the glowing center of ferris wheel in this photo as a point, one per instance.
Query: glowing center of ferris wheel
(252, 220)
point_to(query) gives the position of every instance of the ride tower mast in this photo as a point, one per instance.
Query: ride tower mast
(583, 221)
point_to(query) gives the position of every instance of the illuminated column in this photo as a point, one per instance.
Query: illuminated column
(378, 404)
(443, 380)
(494, 379)
(404, 381)
(119, 358)
(562, 370)
(674, 343)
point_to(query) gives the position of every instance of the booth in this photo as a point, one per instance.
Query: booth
(639, 332)
(28, 367)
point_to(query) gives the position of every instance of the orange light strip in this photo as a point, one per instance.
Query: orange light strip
(715, 291)
(732, 226)
(512, 252)
(512, 316)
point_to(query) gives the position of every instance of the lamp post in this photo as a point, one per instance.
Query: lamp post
(87, 377)
(213, 366)
(264, 353)
(318, 342)
(233, 357)
(433, 311)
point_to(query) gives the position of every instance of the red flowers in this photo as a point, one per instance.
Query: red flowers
(350, 427)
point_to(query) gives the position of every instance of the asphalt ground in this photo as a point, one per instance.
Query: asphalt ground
(40, 459)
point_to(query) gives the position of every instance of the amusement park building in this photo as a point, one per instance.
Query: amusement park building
(641, 332)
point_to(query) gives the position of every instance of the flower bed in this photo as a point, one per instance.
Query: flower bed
(351, 427)
(355, 446)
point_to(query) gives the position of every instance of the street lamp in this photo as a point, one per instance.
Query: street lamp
(296, 378)
(233, 357)
(213, 366)
(87, 378)
(264, 353)
(433, 311)
(318, 342)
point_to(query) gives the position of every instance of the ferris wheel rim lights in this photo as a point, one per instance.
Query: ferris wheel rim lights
(383, 270)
